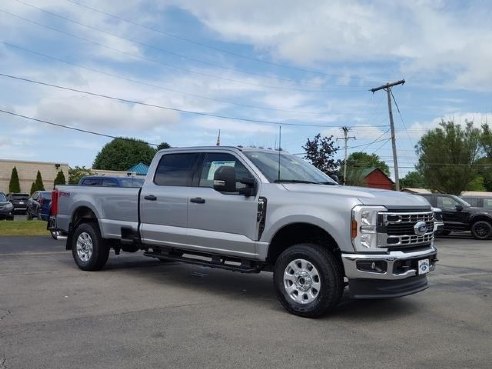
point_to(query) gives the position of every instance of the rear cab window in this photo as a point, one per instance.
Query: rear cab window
(176, 169)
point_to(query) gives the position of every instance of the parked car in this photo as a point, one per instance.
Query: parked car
(478, 201)
(38, 205)
(19, 200)
(6, 208)
(458, 215)
(111, 181)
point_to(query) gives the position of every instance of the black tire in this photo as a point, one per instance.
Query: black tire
(88, 248)
(29, 216)
(481, 230)
(315, 267)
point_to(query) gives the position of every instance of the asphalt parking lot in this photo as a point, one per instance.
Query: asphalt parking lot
(140, 313)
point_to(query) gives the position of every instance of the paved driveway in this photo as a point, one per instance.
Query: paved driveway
(140, 313)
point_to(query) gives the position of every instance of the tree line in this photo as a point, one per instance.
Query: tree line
(451, 159)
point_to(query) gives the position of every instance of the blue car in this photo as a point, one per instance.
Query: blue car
(38, 205)
(112, 181)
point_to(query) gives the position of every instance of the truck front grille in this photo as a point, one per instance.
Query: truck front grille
(404, 230)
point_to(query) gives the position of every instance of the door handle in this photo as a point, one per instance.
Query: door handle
(150, 197)
(197, 200)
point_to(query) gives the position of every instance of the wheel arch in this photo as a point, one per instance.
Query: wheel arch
(82, 214)
(296, 233)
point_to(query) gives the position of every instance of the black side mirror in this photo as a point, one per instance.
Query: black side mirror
(250, 189)
(225, 179)
(459, 207)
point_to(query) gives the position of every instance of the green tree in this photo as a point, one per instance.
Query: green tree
(33, 188)
(448, 156)
(484, 169)
(14, 185)
(38, 184)
(163, 145)
(413, 179)
(320, 152)
(363, 160)
(123, 153)
(60, 179)
(486, 140)
(75, 174)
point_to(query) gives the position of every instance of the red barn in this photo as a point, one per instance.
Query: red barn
(375, 178)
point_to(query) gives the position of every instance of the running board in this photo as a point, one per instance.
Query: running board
(211, 261)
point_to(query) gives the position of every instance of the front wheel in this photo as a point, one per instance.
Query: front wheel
(308, 280)
(88, 248)
(481, 230)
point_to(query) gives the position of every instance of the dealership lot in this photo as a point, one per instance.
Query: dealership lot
(139, 312)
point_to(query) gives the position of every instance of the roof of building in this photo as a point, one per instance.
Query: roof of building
(416, 190)
(365, 172)
(139, 169)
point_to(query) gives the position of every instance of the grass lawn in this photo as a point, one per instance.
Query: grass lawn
(23, 228)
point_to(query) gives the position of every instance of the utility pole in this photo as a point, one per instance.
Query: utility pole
(387, 88)
(345, 138)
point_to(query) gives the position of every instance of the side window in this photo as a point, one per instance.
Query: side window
(109, 182)
(92, 182)
(472, 201)
(445, 202)
(487, 203)
(175, 170)
(213, 161)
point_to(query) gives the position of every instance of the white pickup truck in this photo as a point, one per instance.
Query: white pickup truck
(252, 210)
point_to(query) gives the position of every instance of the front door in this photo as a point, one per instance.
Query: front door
(222, 222)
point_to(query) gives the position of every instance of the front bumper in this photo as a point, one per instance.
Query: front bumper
(392, 274)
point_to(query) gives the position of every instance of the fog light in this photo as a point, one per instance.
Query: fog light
(372, 266)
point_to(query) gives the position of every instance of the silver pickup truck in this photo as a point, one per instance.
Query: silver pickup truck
(252, 210)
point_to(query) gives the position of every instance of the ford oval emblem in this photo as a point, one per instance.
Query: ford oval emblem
(420, 228)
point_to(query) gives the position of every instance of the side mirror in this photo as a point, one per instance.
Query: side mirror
(250, 189)
(225, 179)
(335, 178)
(459, 207)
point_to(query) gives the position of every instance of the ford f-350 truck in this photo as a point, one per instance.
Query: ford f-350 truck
(252, 210)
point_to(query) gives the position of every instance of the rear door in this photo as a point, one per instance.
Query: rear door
(222, 222)
(164, 200)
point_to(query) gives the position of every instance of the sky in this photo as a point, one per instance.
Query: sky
(264, 73)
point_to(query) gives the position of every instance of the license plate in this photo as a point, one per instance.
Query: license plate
(424, 266)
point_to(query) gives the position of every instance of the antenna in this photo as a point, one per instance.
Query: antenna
(279, 148)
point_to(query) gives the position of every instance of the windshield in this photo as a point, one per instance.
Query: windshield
(2, 197)
(285, 167)
(20, 196)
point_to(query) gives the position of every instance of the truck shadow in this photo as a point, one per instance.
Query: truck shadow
(255, 290)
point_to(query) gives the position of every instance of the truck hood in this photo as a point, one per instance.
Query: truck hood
(367, 196)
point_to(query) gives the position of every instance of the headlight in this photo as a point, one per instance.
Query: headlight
(364, 227)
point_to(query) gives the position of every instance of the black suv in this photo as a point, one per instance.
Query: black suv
(458, 215)
(19, 200)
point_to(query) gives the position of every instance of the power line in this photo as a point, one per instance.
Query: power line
(139, 42)
(167, 65)
(184, 39)
(67, 127)
(157, 86)
(160, 106)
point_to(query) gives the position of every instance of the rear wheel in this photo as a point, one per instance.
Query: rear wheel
(308, 280)
(481, 230)
(88, 248)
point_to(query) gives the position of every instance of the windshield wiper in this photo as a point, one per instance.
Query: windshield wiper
(294, 181)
